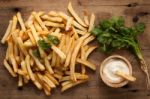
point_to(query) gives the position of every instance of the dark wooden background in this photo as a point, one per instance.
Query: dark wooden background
(132, 10)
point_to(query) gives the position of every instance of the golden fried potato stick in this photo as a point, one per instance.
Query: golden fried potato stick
(53, 19)
(21, 45)
(49, 82)
(72, 84)
(12, 58)
(74, 14)
(52, 78)
(53, 13)
(48, 66)
(59, 52)
(38, 63)
(91, 24)
(39, 21)
(86, 63)
(74, 54)
(88, 40)
(79, 77)
(34, 33)
(37, 26)
(20, 81)
(86, 18)
(90, 50)
(30, 72)
(31, 38)
(65, 83)
(53, 24)
(21, 21)
(8, 67)
(7, 33)
(14, 23)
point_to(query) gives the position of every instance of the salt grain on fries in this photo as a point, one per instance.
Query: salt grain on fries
(46, 48)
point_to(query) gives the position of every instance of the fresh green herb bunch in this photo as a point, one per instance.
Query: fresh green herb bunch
(112, 34)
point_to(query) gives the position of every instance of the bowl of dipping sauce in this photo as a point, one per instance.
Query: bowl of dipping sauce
(116, 71)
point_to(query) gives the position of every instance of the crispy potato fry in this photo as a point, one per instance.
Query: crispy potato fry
(14, 24)
(86, 63)
(52, 79)
(48, 66)
(21, 21)
(20, 81)
(91, 49)
(73, 13)
(49, 82)
(68, 86)
(59, 52)
(65, 83)
(39, 20)
(69, 23)
(27, 60)
(7, 33)
(34, 33)
(8, 67)
(91, 24)
(53, 13)
(21, 45)
(77, 25)
(88, 40)
(38, 63)
(53, 24)
(32, 38)
(37, 26)
(12, 58)
(53, 19)
(86, 18)
(74, 54)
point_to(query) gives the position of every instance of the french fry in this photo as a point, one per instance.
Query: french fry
(80, 32)
(8, 67)
(53, 24)
(21, 45)
(83, 57)
(53, 13)
(21, 21)
(39, 20)
(49, 82)
(28, 44)
(69, 23)
(91, 49)
(88, 40)
(53, 19)
(34, 33)
(30, 72)
(32, 38)
(12, 58)
(68, 86)
(86, 19)
(7, 33)
(77, 25)
(86, 63)
(38, 63)
(48, 66)
(59, 52)
(57, 76)
(14, 24)
(37, 26)
(52, 78)
(91, 24)
(65, 83)
(20, 81)
(73, 13)
(74, 54)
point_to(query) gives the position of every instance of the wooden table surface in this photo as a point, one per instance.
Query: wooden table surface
(132, 10)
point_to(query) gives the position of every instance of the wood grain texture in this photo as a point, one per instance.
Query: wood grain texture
(137, 10)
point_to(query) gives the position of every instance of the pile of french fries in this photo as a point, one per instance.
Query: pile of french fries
(56, 66)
